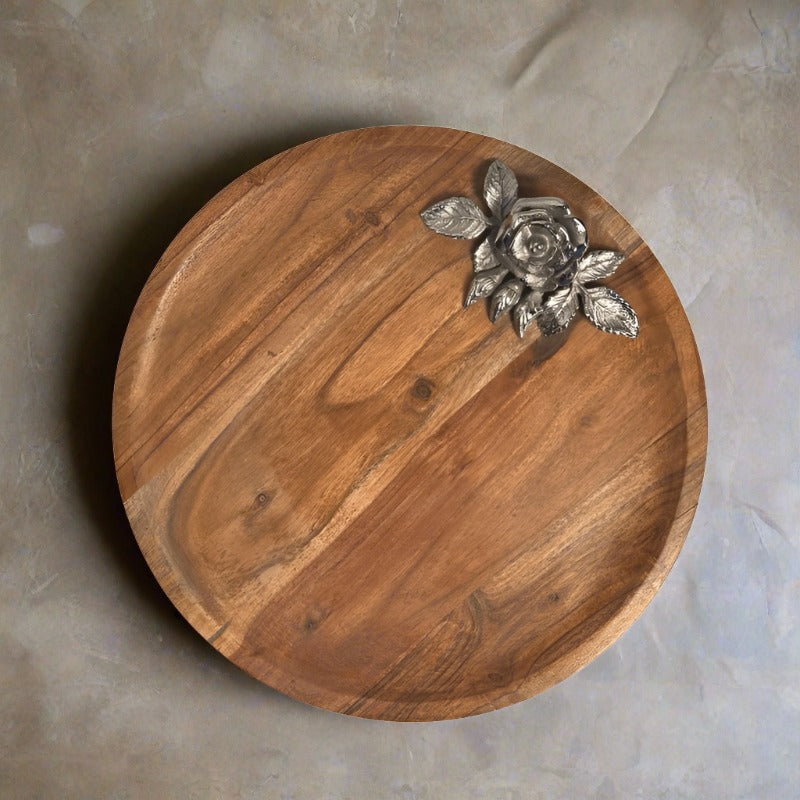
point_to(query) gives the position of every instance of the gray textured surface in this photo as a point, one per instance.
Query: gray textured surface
(120, 118)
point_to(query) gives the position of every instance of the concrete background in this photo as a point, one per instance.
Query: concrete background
(119, 119)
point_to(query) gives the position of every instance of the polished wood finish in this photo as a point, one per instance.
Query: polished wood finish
(368, 497)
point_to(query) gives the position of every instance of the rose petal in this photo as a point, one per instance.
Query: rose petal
(555, 205)
(578, 234)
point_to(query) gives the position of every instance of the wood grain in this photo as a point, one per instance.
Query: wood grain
(368, 497)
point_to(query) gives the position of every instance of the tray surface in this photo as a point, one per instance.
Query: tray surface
(368, 497)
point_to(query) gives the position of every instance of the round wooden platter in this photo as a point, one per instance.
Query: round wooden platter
(365, 495)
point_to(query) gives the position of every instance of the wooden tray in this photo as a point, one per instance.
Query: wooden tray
(368, 497)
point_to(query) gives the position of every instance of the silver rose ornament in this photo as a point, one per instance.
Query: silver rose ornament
(534, 261)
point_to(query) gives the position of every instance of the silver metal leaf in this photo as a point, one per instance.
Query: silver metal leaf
(500, 189)
(484, 256)
(597, 265)
(559, 309)
(458, 217)
(526, 311)
(609, 312)
(484, 283)
(505, 298)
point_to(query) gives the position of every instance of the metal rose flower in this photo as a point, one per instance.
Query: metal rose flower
(534, 262)
(540, 241)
